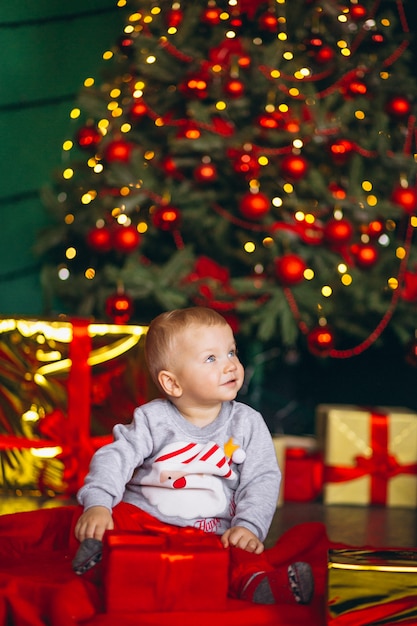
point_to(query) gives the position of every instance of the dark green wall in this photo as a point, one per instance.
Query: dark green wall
(48, 48)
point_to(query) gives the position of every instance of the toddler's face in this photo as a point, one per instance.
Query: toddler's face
(207, 365)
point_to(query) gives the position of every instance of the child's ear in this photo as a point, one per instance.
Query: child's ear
(169, 383)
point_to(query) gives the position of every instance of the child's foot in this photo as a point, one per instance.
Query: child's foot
(88, 554)
(294, 584)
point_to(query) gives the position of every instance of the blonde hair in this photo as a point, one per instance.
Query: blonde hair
(165, 329)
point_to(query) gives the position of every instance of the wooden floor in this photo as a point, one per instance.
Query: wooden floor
(355, 526)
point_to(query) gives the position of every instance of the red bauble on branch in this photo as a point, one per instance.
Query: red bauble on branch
(398, 106)
(254, 206)
(88, 137)
(320, 340)
(290, 269)
(118, 150)
(126, 238)
(406, 198)
(174, 18)
(366, 255)
(119, 308)
(357, 12)
(338, 232)
(234, 88)
(196, 85)
(167, 218)
(341, 150)
(211, 16)
(245, 163)
(294, 167)
(268, 22)
(205, 173)
(100, 239)
(138, 110)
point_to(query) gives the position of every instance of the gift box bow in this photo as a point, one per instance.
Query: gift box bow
(381, 465)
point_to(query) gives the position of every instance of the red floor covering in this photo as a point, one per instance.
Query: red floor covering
(38, 587)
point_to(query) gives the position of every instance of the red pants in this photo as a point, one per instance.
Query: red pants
(242, 563)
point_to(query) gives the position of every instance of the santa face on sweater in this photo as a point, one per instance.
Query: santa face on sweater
(186, 480)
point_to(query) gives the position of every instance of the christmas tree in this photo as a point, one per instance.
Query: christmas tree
(252, 156)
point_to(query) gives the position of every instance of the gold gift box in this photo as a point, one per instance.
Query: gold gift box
(351, 467)
(64, 384)
(375, 585)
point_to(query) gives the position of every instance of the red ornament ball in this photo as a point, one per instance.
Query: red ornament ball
(358, 12)
(320, 340)
(138, 110)
(254, 206)
(174, 18)
(234, 88)
(196, 86)
(290, 269)
(324, 55)
(88, 137)
(126, 239)
(246, 164)
(118, 150)
(406, 198)
(268, 22)
(100, 239)
(375, 229)
(119, 307)
(166, 218)
(366, 255)
(398, 107)
(338, 232)
(205, 173)
(341, 150)
(211, 16)
(294, 167)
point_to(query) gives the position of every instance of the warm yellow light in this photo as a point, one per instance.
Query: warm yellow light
(70, 253)
(267, 242)
(275, 74)
(263, 160)
(68, 173)
(90, 273)
(392, 283)
(151, 59)
(288, 188)
(366, 185)
(326, 291)
(282, 37)
(294, 92)
(126, 127)
(276, 201)
(342, 268)
(360, 115)
(46, 453)
(308, 274)
(400, 252)
(142, 227)
(249, 247)
(107, 55)
(75, 113)
(67, 145)
(288, 56)
(346, 280)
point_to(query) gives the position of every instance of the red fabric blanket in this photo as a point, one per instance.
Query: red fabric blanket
(38, 587)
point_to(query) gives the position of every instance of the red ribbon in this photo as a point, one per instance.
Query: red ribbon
(380, 466)
(79, 392)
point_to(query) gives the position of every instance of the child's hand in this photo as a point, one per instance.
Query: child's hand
(240, 537)
(93, 523)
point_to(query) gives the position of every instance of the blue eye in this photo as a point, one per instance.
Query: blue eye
(233, 353)
(211, 358)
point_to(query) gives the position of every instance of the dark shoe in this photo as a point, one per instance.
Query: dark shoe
(292, 585)
(88, 554)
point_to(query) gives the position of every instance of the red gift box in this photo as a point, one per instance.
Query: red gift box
(183, 571)
(303, 475)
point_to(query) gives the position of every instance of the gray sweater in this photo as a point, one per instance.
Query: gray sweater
(224, 474)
